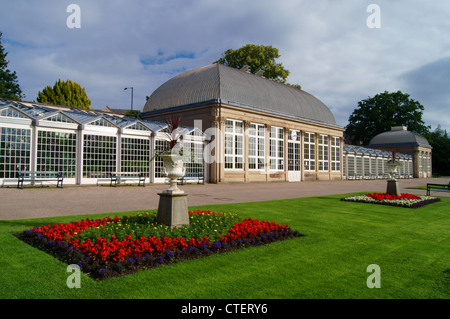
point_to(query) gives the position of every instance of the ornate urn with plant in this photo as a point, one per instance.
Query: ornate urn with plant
(172, 156)
(392, 184)
(392, 164)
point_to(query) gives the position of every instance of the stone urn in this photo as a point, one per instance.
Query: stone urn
(173, 169)
(173, 208)
(392, 184)
(392, 166)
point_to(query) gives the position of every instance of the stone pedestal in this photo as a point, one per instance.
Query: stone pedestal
(173, 209)
(392, 187)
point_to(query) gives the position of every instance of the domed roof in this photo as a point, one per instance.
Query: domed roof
(228, 85)
(398, 136)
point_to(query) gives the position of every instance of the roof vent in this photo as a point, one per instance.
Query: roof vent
(260, 72)
(245, 68)
(399, 128)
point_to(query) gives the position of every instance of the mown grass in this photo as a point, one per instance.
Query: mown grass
(411, 246)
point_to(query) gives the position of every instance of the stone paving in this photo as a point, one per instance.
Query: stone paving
(33, 202)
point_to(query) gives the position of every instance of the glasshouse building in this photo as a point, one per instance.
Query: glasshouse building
(85, 145)
(236, 127)
(367, 163)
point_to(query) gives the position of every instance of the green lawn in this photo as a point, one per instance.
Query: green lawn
(411, 246)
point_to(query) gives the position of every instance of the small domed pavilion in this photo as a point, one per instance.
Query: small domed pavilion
(400, 140)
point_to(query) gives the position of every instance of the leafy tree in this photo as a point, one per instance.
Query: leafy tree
(9, 87)
(257, 58)
(132, 113)
(65, 93)
(440, 141)
(378, 114)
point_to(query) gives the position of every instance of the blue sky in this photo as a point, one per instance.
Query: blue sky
(326, 45)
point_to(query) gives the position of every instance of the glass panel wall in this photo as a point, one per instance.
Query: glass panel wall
(135, 155)
(14, 151)
(57, 152)
(99, 155)
(193, 157)
(160, 146)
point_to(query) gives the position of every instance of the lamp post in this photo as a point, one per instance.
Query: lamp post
(131, 96)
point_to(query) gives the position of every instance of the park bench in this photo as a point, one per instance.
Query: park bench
(383, 175)
(39, 176)
(123, 177)
(353, 176)
(198, 176)
(438, 188)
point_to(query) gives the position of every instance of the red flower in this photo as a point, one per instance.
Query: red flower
(384, 196)
(252, 228)
(115, 250)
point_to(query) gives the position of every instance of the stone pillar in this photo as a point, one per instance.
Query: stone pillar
(267, 154)
(302, 154)
(285, 152)
(172, 209)
(246, 147)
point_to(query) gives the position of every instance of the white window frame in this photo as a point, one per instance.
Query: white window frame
(309, 151)
(324, 153)
(256, 146)
(234, 153)
(18, 150)
(294, 151)
(335, 154)
(276, 148)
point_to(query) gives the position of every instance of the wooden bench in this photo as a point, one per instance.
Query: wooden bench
(39, 176)
(353, 176)
(383, 175)
(122, 177)
(438, 188)
(192, 176)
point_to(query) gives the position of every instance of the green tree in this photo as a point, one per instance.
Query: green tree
(257, 58)
(378, 114)
(66, 93)
(9, 86)
(132, 113)
(440, 141)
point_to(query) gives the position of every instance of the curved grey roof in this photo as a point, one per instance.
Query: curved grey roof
(398, 138)
(232, 86)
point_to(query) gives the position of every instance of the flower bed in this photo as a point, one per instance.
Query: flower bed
(402, 200)
(109, 247)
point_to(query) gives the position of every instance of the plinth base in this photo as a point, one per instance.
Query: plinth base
(173, 209)
(392, 187)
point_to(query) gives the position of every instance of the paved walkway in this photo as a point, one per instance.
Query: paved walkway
(75, 200)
